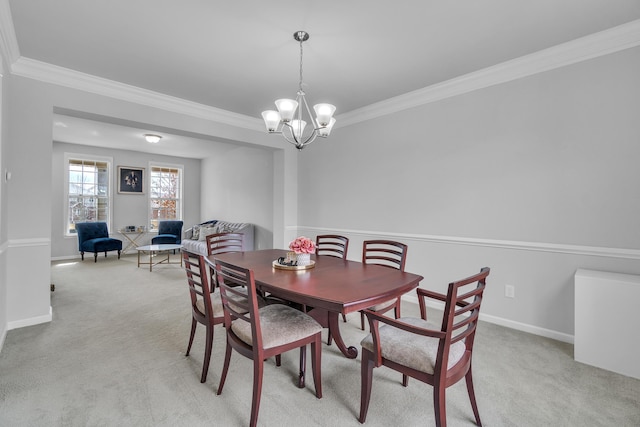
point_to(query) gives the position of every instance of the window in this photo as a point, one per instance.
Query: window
(88, 192)
(165, 194)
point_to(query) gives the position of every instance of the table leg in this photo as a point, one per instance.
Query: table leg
(150, 260)
(330, 319)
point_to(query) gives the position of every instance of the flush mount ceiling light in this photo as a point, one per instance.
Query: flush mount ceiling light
(288, 122)
(151, 138)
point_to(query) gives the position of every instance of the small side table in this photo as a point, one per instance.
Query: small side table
(156, 249)
(132, 239)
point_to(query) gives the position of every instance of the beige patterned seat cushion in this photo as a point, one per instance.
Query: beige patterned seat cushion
(280, 324)
(412, 350)
(216, 304)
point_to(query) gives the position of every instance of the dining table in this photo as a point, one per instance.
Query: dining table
(330, 287)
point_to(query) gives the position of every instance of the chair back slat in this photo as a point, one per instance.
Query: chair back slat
(387, 253)
(460, 334)
(221, 243)
(461, 313)
(466, 308)
(239, 297)
(197, 279)
(332, 245)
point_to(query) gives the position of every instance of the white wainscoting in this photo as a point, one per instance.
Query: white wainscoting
(542, 273)
(28, 282)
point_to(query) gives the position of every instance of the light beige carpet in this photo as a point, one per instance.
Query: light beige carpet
(114, 356)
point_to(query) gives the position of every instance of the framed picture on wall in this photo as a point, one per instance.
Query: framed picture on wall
(130, 180)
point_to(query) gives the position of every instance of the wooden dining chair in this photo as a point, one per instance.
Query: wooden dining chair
(261, 332)
(220, 243)
(206, 307)
(336, 246)
(332, 245)
(439, 355)
(387, 253)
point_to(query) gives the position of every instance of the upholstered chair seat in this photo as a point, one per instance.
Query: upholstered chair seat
(280, 324)
(411, 350)
(216, 304)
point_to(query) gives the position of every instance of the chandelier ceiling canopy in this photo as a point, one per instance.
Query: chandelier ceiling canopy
(289, 119)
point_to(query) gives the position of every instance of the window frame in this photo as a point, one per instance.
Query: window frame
(92, 158)
(180, 189)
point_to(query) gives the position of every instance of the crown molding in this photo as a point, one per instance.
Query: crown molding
(48, 73)
(592, 46)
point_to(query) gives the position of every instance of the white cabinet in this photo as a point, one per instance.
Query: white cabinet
(607, 331)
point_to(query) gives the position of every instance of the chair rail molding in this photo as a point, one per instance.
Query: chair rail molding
(491, 243)
(23, 243)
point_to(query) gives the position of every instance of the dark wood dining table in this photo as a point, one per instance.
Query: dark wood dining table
(332, 287)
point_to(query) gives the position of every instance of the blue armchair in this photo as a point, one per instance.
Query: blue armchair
(94, 237)
(169, 232)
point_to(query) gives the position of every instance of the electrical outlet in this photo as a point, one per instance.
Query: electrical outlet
(509, 291)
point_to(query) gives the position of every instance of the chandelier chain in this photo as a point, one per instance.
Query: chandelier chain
(301, 65)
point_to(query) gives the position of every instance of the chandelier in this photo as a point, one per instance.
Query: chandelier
(288, 120)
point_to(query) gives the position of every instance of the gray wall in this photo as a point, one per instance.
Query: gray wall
(238, 186)
(28, 153)
(127, 209)
(535, 178)
(525, 177)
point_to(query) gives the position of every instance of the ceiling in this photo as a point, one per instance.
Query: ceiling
(240, 56)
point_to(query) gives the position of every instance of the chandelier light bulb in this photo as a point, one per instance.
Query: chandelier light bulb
(271, 120)
(297, 126)
(324, 113)
(287, 108)
(325, 131)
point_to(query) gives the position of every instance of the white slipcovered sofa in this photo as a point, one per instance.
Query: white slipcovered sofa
(195, 237)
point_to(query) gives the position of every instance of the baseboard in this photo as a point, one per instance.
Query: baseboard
(31, 321)
(66, 257)
(547, 333)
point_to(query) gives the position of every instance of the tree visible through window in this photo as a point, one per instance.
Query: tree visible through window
(165, 194)
(88, 192)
